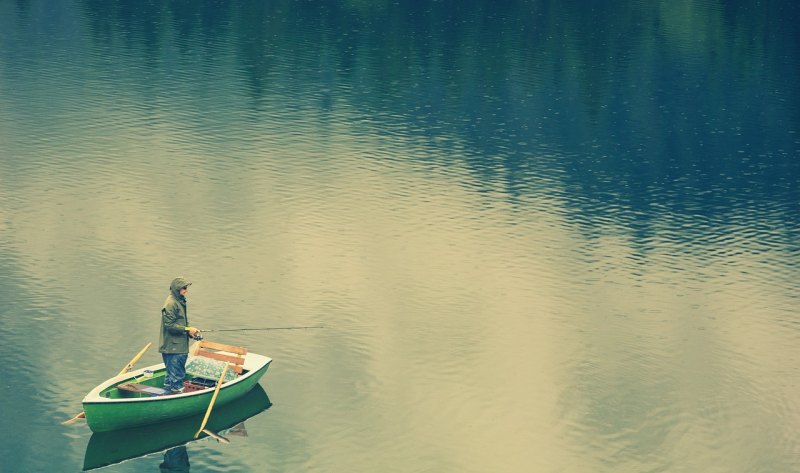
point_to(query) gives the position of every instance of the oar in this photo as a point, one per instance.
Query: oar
(213, 399)
(127, 368)
(217, 437)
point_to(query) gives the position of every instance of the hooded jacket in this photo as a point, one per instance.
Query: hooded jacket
(174, 337)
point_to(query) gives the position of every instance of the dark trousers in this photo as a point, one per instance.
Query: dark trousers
(176, 370)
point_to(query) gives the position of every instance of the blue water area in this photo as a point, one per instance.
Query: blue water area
(548, 236)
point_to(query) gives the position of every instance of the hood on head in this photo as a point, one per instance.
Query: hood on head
(177, 284)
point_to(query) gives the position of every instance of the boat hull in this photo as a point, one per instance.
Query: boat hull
(107, 448)
(104, 414)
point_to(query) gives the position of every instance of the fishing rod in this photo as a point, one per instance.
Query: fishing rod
(199, 337)
(260, 328)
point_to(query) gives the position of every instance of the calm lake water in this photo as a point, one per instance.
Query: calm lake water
(541, 235)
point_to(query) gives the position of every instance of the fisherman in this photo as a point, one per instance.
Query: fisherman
(175, 333)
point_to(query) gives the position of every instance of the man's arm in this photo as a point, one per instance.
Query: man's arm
(171, 320)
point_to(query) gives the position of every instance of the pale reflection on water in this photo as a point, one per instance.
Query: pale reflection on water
(526, 257)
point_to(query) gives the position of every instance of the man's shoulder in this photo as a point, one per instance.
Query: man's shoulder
(169, 302)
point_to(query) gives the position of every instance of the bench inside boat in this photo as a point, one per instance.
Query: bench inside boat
(141, 390)
(203, 369)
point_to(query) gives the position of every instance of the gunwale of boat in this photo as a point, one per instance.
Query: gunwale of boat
(253, 365)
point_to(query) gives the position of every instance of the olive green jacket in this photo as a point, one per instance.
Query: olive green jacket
(174, 337)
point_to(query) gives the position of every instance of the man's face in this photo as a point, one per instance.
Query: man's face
(184, 290)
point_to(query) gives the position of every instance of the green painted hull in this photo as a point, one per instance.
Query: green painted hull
(107, 448)
(105, 414)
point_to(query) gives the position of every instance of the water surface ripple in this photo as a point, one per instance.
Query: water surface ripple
(541, 236)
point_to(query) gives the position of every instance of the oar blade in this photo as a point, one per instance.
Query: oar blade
(78, 417)
(217, 437)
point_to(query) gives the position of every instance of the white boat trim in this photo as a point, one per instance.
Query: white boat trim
(253, 363)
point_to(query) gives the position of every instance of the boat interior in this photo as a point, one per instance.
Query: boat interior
(204, 369)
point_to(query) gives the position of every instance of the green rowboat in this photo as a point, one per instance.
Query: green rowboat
(136, 398)
(108, 448)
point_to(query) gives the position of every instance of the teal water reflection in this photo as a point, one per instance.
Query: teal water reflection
(108, 448)
(543, 236)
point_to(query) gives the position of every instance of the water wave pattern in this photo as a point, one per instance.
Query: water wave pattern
(540, 236)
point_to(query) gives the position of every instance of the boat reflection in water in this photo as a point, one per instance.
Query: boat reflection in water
(107, 448)
(175, 459)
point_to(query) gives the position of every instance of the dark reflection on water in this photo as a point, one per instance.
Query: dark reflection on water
(226, 422)
(175, 459)
(541, 235)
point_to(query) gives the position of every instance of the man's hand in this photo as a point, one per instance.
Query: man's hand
(193, 331)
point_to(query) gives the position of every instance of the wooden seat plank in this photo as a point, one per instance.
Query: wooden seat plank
(141, 389)
(223, 347)
(236, 360)
(233, 355)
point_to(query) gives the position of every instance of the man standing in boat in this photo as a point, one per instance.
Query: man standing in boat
(175, 333)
